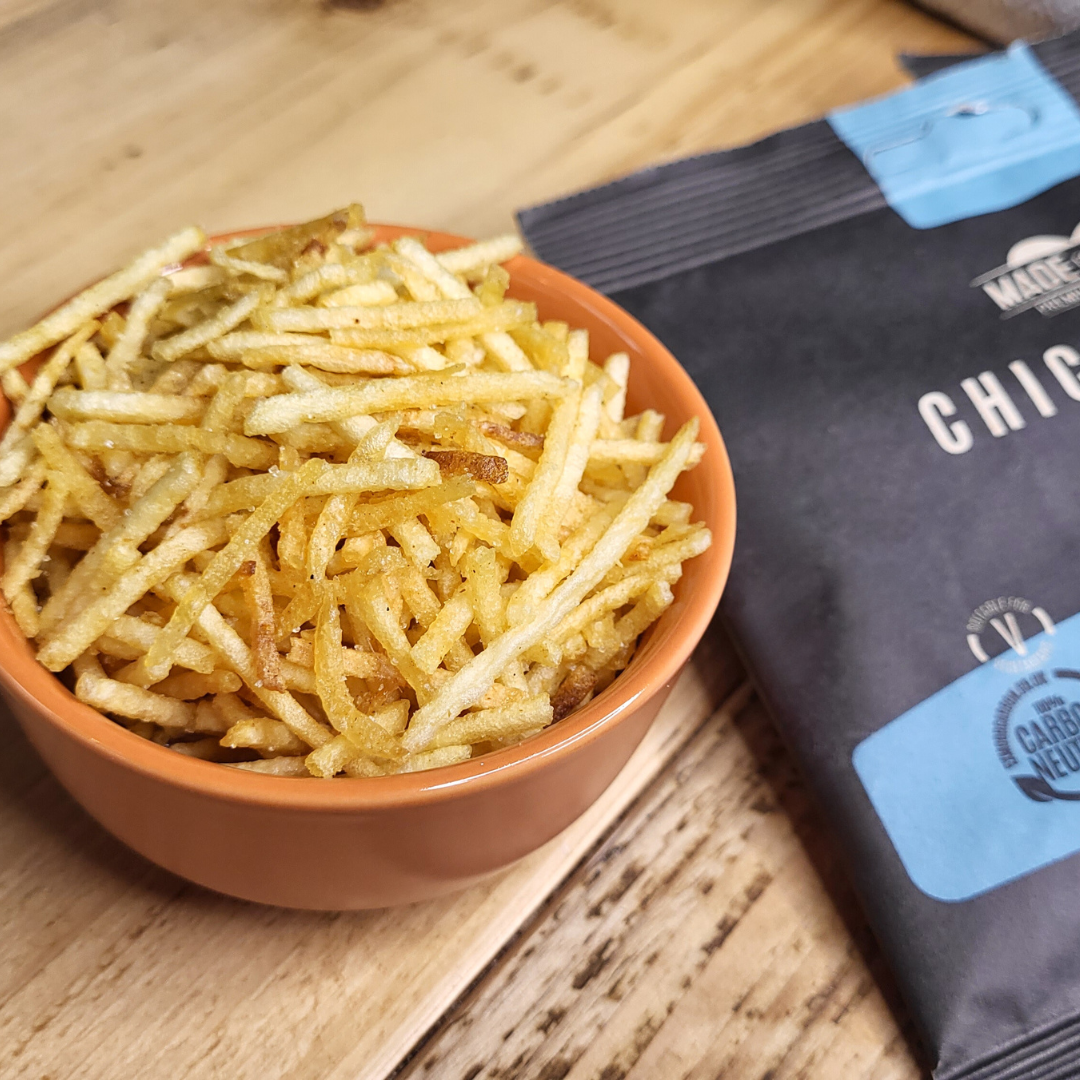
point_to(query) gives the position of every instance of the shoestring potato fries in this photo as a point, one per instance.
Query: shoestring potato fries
(307, 505)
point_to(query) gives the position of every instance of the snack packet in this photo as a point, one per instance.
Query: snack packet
(883, 309)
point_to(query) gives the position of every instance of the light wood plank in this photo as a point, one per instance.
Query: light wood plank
(110, 967)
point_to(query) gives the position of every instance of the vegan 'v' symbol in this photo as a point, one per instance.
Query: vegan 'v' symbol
(1009, 630)
(1003, 615)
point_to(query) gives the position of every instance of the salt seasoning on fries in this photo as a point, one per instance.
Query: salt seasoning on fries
(318, 507)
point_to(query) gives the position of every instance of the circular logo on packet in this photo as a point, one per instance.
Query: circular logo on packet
(1037, 734)
(1000, 631)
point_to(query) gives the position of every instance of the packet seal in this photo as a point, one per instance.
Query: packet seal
(563, 230)
(620, 235)
(1050, 1052)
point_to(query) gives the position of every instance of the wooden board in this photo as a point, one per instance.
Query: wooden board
(633, 945)
(108, 964)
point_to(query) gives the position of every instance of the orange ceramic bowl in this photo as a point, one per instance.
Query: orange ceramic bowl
(367, 843)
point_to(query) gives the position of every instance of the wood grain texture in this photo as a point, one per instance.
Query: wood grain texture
(125, 120)
(697, 942)
(702, 948)
(112, 968)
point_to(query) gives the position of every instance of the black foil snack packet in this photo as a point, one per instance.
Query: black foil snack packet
(883, 309)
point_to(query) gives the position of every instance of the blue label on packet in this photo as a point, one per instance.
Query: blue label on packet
(980, 783)
(978, 137)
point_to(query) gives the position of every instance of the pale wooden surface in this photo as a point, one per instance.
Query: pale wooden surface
(108, 964)
(697, 938)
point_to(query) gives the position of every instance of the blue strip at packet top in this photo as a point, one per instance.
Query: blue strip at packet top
(883, 310)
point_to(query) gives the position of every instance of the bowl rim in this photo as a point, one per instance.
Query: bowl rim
(43, 692)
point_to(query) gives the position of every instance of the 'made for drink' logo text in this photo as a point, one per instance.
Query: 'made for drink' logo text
(1041, 273)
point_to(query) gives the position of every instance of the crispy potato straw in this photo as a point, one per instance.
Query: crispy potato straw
(315, 507)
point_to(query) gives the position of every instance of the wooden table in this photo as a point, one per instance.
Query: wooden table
(695, 922)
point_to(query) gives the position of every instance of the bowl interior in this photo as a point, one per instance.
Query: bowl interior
(656, 381)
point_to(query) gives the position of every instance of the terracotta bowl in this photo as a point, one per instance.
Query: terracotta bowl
(366, 843)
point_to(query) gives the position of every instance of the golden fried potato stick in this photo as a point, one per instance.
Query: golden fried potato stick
(545, 350)
(572, 691)
(538, 584)
(482, 585)
(15, 498)
(487, 467)
(100, 435)
(258, 349)
(255, 579)
(265, 735)
(333, 757)
(416, 542)
(491, 725)
(138, 636)
(100, 298)
(620, 451)
(128, 346)
(99, 507)
(505, 351)
(354, 429)
(365, 294)
(219, 256)
(333, 691)
(235, 654)
(400, 316)
(292, 541)
(666, 555)
(125, 407)
(574, 462)
(187, 341)
(436, 759)
(498, 249)
(649, 607)
(385, 395)
(453, 619)
(487, 320)
(370, 600)
(210, 377)
(26, 565)
(334, 516)
(190, 510)
(324, 278)
(617, 369)
(282, 247)
(386, 513)
(16, 447)
(673, 513)
(465, 687)
(75, 636)
(525, 441)
(288, 488)
(418, 595)
(400, 475)
(612, 598)
(94, 688)
(189, 685)
(118, 548)
(89, 368)
(525, 530)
